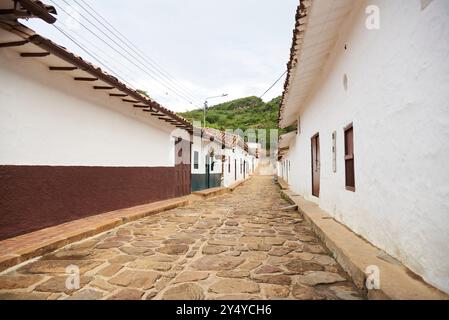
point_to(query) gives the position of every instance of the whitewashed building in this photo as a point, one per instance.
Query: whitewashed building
(368, 88)
(220, 159)
(74, 140)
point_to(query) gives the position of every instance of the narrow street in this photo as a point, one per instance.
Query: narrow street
(237, 246)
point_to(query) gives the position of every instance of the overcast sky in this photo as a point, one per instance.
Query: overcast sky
(200, 48)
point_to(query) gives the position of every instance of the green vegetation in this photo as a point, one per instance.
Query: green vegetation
(244, 113)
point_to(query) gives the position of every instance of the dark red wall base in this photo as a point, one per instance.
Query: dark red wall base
(36, 197)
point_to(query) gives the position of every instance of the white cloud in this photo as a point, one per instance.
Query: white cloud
(209, 46)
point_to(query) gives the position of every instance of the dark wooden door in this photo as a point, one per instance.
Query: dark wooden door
(182, 167)
(207, 169)
(316, 165)
(235, 169)
(244, 169)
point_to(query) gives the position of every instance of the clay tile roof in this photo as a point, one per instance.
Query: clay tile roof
(230, 140)
(298, 32)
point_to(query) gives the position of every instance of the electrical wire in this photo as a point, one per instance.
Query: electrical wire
(118, 52)
(134, 48)
(277, 80)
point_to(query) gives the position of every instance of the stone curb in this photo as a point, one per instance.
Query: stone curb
(211, 192)
(355, 254)
(282, 183)
(214, 192)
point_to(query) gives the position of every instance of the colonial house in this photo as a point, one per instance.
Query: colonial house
(219, 159)
(368, 89)
(74, 140)
(284, 164)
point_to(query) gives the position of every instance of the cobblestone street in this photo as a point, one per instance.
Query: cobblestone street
(239, 245)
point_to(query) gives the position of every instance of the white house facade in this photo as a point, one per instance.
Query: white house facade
(368, 88)
(220, 159)
(75, 141)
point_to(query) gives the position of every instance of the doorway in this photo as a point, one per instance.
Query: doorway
(315, 141)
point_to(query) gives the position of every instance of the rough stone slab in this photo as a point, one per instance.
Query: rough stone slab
(222, 242)
(58, 266)
(213, 249)
(268, 269)
(275, 291)
(135, 279)
(176, 249)
(306, 293)
(233, 274)
(149, 264)
(273, 279)
(185, 291)
(320, 277)
(217, 263)
(110, 270)
(127, 294)
(279, 251)
(102, 284)
(300, 266)
(18, 281)
(58, 284)
(234, 286)
(24, 295)
(191, 276)
(86, 294)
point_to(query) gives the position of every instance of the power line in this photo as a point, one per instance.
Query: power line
(277, 80)
(140, 63)
(104, 62)
(85, 50)
(135, 49)
(117, 51)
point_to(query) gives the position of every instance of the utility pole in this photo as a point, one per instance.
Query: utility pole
(205, 106)
(204, 113)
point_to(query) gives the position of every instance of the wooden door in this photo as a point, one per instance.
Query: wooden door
(235, 169)
(349, 158)
(244, 169)
(316, 165)
(182, 167)
(207, 169)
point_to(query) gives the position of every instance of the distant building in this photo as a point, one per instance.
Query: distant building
(219, 159)
(368, 89)
(74, 140)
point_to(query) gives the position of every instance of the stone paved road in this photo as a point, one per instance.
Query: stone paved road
(236, 246)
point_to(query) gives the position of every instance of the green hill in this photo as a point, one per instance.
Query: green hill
(244, 113)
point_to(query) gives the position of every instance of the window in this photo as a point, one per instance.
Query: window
(195, 160)
(229, 164)
(349, 158)
(241, 166)
(334, 151)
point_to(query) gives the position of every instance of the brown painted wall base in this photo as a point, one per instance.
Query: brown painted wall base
(36, 197)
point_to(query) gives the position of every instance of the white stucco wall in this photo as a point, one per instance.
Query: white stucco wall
(46, 118)
(239, 155)
(398, 101)
(203, 147)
